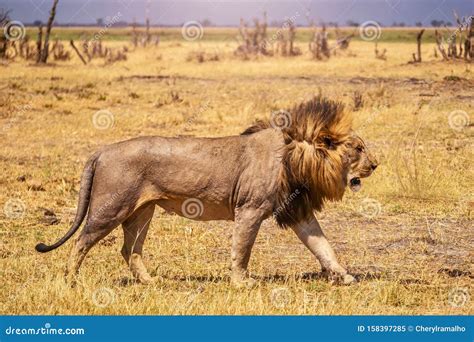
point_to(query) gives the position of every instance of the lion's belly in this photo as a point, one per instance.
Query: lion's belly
(196, 209)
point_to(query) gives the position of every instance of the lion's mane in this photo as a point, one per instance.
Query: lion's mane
(314, 169)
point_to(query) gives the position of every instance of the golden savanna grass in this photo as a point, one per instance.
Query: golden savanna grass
(408, 234)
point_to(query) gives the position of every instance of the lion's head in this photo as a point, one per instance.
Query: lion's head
(322, 158)
(360, 160)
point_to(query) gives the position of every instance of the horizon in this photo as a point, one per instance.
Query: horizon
(227, 13)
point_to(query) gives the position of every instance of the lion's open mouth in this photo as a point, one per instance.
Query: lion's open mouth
(355, 184)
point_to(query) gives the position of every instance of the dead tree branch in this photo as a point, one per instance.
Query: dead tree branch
(378, 54)
(39, 43)
(439, 43)
(77, 52)
(417, 56)
(45, 50)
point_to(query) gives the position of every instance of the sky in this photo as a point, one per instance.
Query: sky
(229, 12)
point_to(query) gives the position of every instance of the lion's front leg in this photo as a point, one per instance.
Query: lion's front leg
(311, 234)
(247, 224)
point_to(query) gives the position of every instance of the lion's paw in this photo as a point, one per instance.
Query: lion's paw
(338, 278)
(348, 279)
(146, 279)
(247, 283)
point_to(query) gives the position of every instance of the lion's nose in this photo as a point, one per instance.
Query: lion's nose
(374, 166)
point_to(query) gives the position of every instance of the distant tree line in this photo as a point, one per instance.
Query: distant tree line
(208, 23)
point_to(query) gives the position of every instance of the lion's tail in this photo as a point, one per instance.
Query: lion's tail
(82, 207)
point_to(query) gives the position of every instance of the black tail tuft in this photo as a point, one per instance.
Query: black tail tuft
(42, 248)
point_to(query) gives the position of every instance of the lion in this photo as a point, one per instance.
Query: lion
(287, 171)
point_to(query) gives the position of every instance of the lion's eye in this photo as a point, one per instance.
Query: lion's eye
(359, 149)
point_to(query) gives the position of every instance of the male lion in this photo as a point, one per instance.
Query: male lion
(288, 171)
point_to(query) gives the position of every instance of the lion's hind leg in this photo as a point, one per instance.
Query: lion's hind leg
(92, 233)
(135, 229)
(105, 214)
(247, 224)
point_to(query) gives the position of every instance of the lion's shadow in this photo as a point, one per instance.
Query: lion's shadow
(317, 276)
(274, 278)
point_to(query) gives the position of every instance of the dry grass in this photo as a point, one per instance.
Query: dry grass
(409, 256)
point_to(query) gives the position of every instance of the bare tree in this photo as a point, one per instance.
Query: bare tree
(380, 54)
(147, 23)
(4, 19)
(461, 35)
(452, 49)
(39, 43)
(319, 44)
(465, 33)
(439, 43)
(342, 40)
(45, 49)
(469, 43)
(4, 16)
(253, 41)
(417, 56)
(134, 33)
